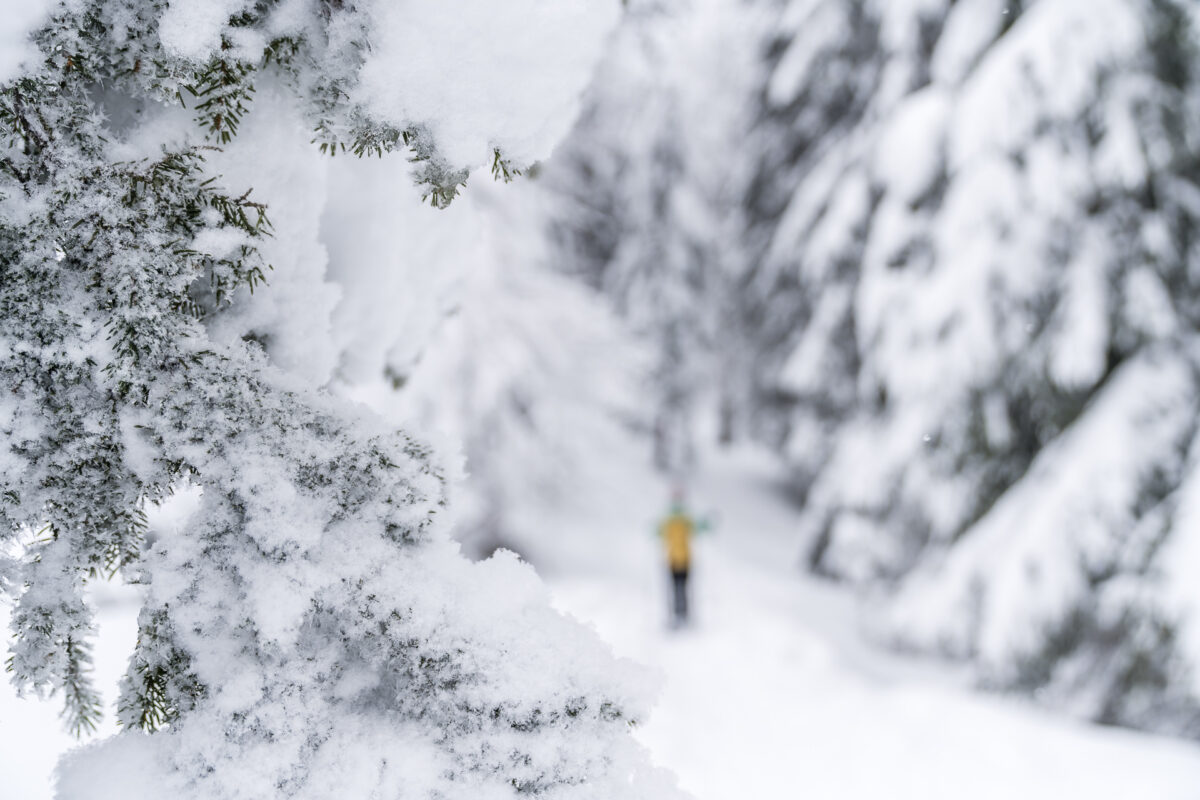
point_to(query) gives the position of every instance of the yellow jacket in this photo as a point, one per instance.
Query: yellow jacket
(676, 532)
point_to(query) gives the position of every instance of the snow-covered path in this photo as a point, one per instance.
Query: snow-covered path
(774, 694)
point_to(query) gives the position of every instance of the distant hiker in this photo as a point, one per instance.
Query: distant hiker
(676, 532)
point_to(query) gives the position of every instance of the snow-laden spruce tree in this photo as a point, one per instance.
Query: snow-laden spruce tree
(648, 210)
(991, 210)
(310, 632)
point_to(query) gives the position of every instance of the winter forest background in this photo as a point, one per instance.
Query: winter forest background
(302, 300)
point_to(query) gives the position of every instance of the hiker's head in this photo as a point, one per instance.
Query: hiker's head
(678, 497)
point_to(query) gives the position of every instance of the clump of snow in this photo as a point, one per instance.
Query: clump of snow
(495, 615)
(1081, 347)
(193, 30)
(969, 27)
(815, 22)
(1053, 53)
(908, 157)
(477, 80)
(17, 51)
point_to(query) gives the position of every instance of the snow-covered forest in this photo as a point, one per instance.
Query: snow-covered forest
(600, 399)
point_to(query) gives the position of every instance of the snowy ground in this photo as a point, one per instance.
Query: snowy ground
(772, 693)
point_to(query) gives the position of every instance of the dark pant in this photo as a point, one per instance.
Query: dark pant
(679, 606)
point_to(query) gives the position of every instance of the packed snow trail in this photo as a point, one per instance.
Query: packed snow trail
(774, 693)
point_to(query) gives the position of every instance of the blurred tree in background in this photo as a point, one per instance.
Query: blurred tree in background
(943, 257)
